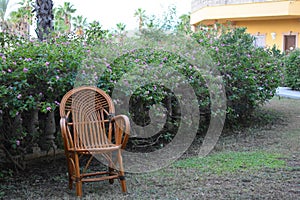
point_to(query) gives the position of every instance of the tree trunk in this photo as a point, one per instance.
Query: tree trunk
(44, 15)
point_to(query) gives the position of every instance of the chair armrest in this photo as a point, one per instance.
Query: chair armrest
(67, 138)
(122, 129)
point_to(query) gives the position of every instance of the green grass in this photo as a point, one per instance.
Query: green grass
(233, 162)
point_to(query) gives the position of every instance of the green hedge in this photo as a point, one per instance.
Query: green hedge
(35, 75)
(251, 74)
(292, 69)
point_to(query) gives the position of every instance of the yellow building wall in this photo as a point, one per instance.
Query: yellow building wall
(240, 11)
(280, 9)
(280, 27)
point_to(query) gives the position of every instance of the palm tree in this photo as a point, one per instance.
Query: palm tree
(27, 15)
(120, 31)
(26, 5)
(184, 24)
(21, 19)
(140, 14)
(59, 22)
(16, 20)
(64, 13)
(44, 15)
(120, 28)
(79, 24)
(3, 10)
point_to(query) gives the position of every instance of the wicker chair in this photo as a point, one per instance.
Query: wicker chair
(89, 129)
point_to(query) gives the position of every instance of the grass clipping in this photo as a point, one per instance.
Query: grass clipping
(229, 162)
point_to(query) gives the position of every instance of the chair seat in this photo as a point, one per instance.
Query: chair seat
(111, 147)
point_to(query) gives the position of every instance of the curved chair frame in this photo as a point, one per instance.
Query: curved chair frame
(89, 127)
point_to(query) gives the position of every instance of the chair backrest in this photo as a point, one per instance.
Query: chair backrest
(87, 111)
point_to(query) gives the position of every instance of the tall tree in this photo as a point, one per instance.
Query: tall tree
(140, 14)
(120, 31)
(3, 10)
(120, 28)
(79, 24)
(95, 32)
(184, 24)
(64, 13)
(21, 19)
(44, 15)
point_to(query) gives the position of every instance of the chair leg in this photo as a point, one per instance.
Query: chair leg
(121, 172)
(70, 183)
(70, 172)
(123, 185)
(110, 170)
(110, 167)
(77, 175)
(79, 188)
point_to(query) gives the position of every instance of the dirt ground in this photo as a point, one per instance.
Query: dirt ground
(47, 178)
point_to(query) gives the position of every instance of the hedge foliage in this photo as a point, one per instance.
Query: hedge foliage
(35, 75)
(292, 69)
(251, 74)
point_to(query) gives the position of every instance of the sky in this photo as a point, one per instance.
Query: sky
(111, 12)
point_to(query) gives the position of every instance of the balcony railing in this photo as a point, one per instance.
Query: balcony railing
(197, 4)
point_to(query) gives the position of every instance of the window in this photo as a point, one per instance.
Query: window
(259, 40)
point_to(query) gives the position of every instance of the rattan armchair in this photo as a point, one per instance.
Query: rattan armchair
(90, 128)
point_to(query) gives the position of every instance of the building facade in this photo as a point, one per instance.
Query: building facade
(271, 22)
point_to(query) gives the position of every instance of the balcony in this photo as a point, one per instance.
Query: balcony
(207, 11)
(198, 4)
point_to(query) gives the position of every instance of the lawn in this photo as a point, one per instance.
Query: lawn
(258, 161)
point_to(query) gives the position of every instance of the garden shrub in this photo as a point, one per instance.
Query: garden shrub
(250, 74)
(292, 69)
(154, 93)
(34, 76)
